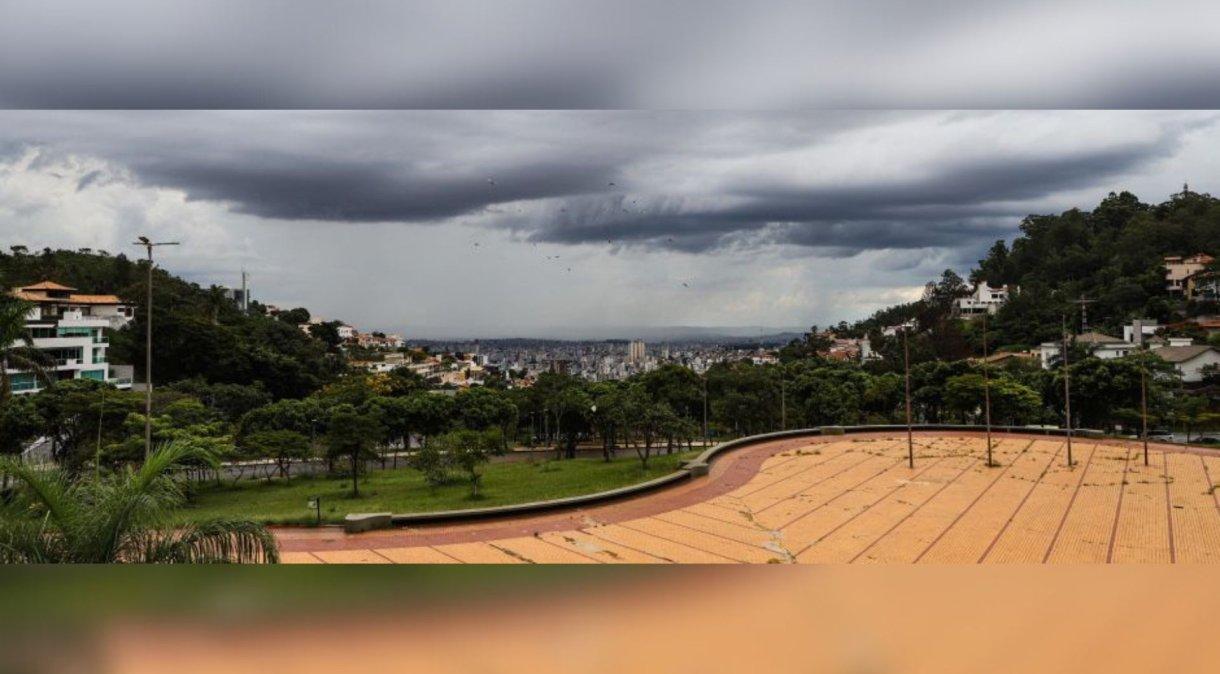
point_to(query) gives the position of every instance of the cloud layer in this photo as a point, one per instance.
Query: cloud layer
(596, 54)
(740, 206)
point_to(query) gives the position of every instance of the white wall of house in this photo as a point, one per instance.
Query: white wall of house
(1191, 370)
(984, 300)
(76, 343)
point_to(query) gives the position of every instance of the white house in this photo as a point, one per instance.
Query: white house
(1188, 359)
(1099, 345)
(70, 329)
(1139, 331)
(984, 300)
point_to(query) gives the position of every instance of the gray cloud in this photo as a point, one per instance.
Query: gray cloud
(596, 54)
(602, 219)
(682, 181)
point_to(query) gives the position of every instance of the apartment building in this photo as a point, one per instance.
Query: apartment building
(1179, 268)
(71, 329)
(984, 300)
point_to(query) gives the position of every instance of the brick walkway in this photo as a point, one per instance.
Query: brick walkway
(852, 499)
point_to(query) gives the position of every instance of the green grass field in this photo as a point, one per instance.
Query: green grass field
(403, 490)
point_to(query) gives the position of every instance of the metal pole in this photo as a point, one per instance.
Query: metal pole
(1067, 393)
(906, 364)
(148, 362)
(986, 393)
(783, 403)
(101, 415)
(1144, 410)
(149, 245)
(705, 438)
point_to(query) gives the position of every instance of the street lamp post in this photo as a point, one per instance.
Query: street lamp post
(906, 366)
(783, 402)
(986, 393)
(1067, 393)
(1144, 410)
(705, 438)
(149, 245)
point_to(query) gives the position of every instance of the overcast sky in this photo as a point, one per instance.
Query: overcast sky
(596, 54)
(502, 223)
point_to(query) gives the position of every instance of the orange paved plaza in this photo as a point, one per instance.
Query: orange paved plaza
(852, 499)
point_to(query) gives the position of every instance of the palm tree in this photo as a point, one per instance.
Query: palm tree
(16, 345)
(123, 517)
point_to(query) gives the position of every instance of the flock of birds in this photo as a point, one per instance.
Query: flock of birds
(610, 241)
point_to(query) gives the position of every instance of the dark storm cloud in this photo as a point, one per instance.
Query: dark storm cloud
(689, 182)
(316, 188)
(563, 54)
(955, 205)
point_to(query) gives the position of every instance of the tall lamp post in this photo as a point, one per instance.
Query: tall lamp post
(906, 367)
(1067, 393)
(986, 393)
(1144, 409)
(783, 401)
(705, 438)
(148, 246)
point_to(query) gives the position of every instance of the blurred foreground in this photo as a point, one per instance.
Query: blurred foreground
(565, 619)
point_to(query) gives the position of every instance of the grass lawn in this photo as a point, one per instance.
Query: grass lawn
(403, 490)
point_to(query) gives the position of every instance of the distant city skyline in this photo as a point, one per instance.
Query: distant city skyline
(446, 224)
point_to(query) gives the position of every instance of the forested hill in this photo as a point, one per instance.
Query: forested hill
(1111, 255)
(198, 332)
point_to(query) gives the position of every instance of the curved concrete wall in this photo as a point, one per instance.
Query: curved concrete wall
(700, 466)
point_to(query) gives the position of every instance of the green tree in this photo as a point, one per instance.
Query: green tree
(468, 450)
(17, 350)
(297, 316)
(77, 412)
(282, 446)
(480, 408)
(123, 517)
(354, 437)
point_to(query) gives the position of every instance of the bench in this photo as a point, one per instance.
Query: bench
(356, 522)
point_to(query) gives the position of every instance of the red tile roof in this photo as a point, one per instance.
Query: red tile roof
(47, 285)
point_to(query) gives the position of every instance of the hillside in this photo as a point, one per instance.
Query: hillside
(1111, 255)
(198, 332)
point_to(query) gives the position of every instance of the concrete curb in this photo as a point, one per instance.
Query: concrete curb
(542, 506)
(699, 466)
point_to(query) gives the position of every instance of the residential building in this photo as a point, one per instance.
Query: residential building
(984, 300)
(1006, 357)
(70, 329)
(377, 340)
(1139, 331)
(1203, 286)
(239, 297)
(1188, 359)
(1179, 268)
(1099, 345)
(636, 352)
